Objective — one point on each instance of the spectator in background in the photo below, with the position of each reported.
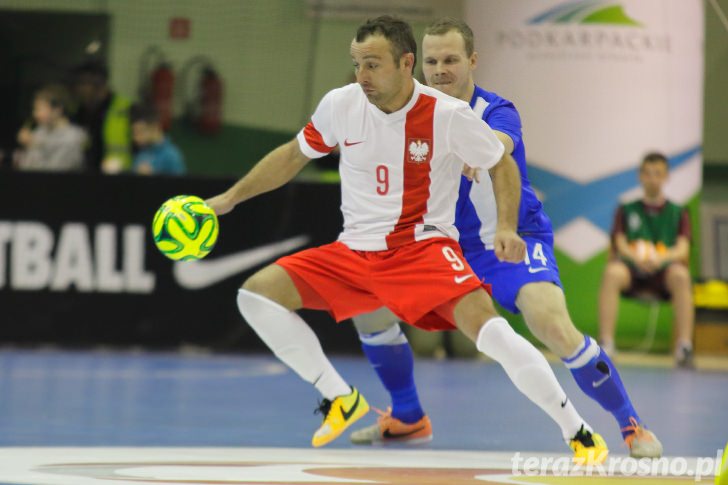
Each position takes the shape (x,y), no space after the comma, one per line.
(105,116)
(54,144)
(650,254)
(157,154)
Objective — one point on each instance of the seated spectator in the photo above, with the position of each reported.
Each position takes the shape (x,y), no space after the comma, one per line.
(54,144)
(104,115)
(157,154)
(649,256)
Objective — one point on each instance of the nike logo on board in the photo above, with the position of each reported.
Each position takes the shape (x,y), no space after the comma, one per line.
(195,275)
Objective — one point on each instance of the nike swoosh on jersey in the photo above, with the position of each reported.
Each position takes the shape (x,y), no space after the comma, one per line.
(536,270)
(460,279)
(348,143)
(195,275)
(600,381)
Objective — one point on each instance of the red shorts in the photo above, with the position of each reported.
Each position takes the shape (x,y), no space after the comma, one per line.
(419,282)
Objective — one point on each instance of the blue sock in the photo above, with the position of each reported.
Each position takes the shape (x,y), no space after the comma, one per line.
(391,356)
(598,378)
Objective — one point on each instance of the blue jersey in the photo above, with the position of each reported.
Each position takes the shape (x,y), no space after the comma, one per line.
(475,215)
(163,157)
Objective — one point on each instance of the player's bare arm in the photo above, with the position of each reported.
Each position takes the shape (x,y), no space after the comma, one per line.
(622,246)
(506,140)
(679,253)
(274,170)
(625,252)
(507,190)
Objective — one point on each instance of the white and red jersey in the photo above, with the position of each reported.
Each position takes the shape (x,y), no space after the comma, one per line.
(400,171)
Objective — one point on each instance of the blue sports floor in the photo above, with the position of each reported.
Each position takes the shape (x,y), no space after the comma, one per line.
(144,405)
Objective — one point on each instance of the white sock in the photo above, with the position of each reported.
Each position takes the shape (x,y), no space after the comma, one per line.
(685,344)
(530,372)
(392,336)
(682,347)
(292,341)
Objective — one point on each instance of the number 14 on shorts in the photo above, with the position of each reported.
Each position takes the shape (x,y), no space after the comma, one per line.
(536,255)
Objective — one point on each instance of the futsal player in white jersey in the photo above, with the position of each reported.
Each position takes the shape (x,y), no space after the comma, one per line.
(532,287)
(400,171)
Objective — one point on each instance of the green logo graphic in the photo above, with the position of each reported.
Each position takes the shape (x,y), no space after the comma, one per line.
(586,12)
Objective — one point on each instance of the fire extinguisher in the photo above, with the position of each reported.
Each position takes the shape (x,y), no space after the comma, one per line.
(202,90)
(162,93)
(157,86)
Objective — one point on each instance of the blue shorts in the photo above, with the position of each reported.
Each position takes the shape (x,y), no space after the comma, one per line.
(508,278)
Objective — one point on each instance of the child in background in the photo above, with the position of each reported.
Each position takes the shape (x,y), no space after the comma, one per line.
(157,154)
(55,144)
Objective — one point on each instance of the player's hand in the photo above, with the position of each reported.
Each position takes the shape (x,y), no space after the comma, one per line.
(221,204)
(630,257)
(25,136)
(144,168)
(644,266)
(662,261)
(509,246)
(653,265)
(471,173)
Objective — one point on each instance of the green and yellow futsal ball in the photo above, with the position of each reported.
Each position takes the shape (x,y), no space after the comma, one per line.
(185,228)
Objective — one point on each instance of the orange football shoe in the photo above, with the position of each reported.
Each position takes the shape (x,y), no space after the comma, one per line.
(389,429)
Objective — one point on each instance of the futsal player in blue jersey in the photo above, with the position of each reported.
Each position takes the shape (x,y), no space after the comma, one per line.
(532,287)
